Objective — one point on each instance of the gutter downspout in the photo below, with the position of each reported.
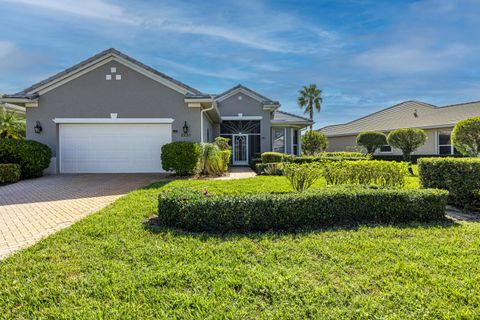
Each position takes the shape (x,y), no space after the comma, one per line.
(214,103)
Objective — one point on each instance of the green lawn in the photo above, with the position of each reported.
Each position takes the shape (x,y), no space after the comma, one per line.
(111,265)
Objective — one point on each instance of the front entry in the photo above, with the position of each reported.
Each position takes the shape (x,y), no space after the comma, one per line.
(240,149)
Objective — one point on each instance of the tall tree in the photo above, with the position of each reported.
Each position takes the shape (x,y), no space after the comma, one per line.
(311,99)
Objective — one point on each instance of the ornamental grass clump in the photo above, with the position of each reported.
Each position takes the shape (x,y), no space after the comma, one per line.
(302,176)
(213,160)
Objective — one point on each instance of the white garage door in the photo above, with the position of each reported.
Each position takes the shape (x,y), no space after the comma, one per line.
(110,148)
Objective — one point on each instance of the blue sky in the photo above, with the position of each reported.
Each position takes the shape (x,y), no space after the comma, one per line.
(365,55)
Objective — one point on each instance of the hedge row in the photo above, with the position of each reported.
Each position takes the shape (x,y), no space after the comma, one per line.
(9,173)
(366,172)
(460,176)
(191,210)
(269,169)
(32,156)
(415,157)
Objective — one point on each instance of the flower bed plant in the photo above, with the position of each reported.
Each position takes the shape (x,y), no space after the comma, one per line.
(194,210)
(9,173)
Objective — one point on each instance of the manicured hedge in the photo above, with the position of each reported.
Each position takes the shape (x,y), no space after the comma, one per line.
(182,157)
(415,157)
(460,176)
(308,159)
(270,157)
(192,210)
(32,156)
(365,172)
(254,162)
(9,173)
(344,154)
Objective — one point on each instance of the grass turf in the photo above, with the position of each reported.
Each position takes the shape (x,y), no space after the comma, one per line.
(111,265)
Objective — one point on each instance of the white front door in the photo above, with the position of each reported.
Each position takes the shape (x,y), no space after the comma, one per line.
(240,149)
(112,148)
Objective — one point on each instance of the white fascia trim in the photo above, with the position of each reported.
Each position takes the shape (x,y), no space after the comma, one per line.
(101,61)
(242,118)
(240,90)
(204,100)
(117,120)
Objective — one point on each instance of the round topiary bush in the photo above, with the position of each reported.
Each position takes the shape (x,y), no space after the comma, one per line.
(466,137)
(32,156)
(182,157)
(408,140)
(371,140)
(314,142)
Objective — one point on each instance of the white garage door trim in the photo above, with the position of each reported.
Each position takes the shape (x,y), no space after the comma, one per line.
(127,146)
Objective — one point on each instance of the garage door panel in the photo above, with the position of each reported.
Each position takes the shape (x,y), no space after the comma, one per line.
(103,148)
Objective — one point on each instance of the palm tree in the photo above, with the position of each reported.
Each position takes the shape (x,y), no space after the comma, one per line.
(11,125)
(310,98)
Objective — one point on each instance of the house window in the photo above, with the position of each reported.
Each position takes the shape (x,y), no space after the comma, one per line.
(295,142)
(279,140)
(385,149)
(444,143)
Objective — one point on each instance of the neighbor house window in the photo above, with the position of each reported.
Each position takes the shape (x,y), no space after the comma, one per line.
(385,149)
(444,143)
(279,140)
(295,142)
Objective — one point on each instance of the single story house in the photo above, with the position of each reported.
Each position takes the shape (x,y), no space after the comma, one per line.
(438,123)
(112,113)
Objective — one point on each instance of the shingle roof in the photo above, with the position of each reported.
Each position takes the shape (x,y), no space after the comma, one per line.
(289,117)
(110,51)
(413,114)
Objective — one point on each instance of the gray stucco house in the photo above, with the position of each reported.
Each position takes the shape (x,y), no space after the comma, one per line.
(112,113)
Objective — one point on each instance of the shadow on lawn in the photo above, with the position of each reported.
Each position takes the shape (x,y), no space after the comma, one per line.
(153,226)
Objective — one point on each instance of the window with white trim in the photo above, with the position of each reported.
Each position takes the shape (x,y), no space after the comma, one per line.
(295,142)
(385,149)
(279,140)
(444,143)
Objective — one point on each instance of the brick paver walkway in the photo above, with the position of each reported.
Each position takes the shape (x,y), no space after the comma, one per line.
(33,209)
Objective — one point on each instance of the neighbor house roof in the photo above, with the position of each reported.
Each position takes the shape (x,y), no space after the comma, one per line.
(409,114)
(289,118)
(26,93)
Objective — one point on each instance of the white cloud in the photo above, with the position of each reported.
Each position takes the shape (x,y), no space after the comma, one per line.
(410,58)
(95,9)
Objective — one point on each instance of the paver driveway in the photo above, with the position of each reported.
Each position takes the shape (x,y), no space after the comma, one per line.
(32,209)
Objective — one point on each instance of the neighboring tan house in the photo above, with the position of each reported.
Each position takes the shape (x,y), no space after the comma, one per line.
(111,113)
(438,123)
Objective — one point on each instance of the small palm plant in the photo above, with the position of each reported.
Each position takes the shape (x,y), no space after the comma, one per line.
(311,99)
(12,126)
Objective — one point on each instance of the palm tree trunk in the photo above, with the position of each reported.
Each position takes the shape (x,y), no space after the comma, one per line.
(310,104)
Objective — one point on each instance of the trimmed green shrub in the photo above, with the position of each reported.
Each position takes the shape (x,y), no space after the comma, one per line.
(301,176)
(223,143)
(324,159)
(343,154)
(182,157)
(466,136)
(414,157)
(9,172)
(408,140)
(270,157)
(254,162)
(371,140)
(270,169)
(460,176)
(366,172)
(32,156)
(314,142)
(194,210)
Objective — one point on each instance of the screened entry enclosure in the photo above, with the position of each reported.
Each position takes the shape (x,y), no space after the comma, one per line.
(244,138)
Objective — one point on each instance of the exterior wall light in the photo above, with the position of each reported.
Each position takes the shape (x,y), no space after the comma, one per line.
(38,127)
(185,128)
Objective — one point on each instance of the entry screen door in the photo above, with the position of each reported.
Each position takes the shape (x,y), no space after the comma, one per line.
(240,149)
